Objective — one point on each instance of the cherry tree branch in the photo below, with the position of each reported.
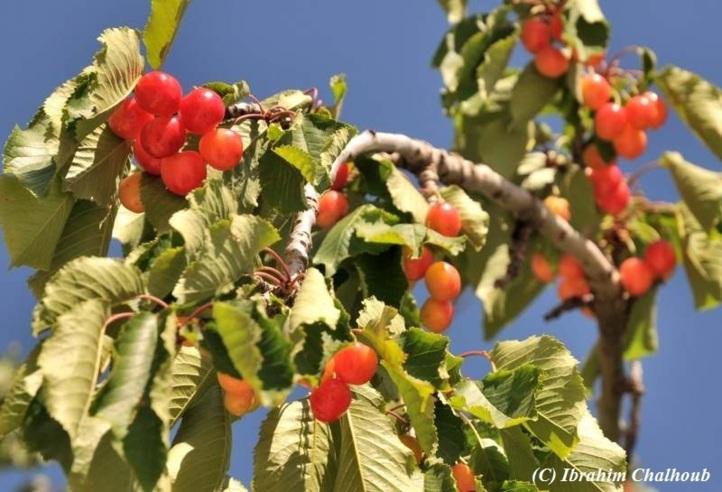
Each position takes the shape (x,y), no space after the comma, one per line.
(301,241)
(636,390)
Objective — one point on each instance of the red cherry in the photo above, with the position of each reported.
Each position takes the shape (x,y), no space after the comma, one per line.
(330,400)
(636,276)
(129,119)
(159,93)
(659,115)
(535,34)
(558,206)
(541,268)
(332,206)
(640,111)
(129,193)
(238,404)
(606,179)
(595,59)
(437,315)
(163,136)
(550,62)
(571,287)
(593,159)
(610,120)
(329,372)
(231,384)
(202,110)
(147,162)
(443,281)
(556,25)
(569,267)
(356,364)
(183,172)
(631,143)
(444,218)
(596,91)
(221,148)
(661,259)
(616,200)
(464,477)
(341,177)
(415,268)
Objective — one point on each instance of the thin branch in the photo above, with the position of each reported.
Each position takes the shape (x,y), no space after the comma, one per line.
(397,417)
(636,390)
(154,299)
(479,353)
(570,304)
(301,241)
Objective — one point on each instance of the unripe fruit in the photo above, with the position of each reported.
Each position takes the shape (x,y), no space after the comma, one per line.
(330,400)
(147,162)
(415,268)
(593,159)
(550,62)
(341,177)
(332,206)
(609,121)
(569,267)
(661,259)
(163,136)
(183,172)
(129,193)
(640,111)
(596,91)
(631,143)
(464,477)
(571,287)
(535,34)
(239,397)
(202,110)
(443,281)
(159,93)
(437,315)
(221,148)
(129,119)
(636,276)
(558,206)
(411,443)
(616,200)
(444,218)
(658,116)
(541,268)
(356,364)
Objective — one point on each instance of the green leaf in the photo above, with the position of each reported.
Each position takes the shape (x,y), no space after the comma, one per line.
(531,93)
(452,440)
(146,449)
(641,329)
(314,303)
(28,155)
(495,142)
(578,190)
(299,159)
(426,355)
(240,334)
(190,372)
(160,204)
(406,196)
(701,189)
(469,397)
(438,478)
(20,393)
(702,261)
(161,28)
(382,276)
(474,220)
(413,236)
(165,271)
(277,173)
(697,102)
(230,93)
(294,451)
(338,89)
(518,448)
(455,9)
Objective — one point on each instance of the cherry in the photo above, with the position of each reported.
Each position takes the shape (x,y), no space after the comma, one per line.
(183,172)
(129,193)
(610,120)
(444,218)
(535,34)
(163,136)
(356,364)
(464,477)
(415,268)
(129,119)
(556,26)
(332,206)
(606,179)
(329,372)
(631,143)
(147,162)
(571,287)
(550,62)
(159,93)
(443,281)
(238,404)
(330,400)
(437,315)
(596,91)
(411,443)
(541,268)
(661,259)
(636,276)
(659,115)
(558,206)
(593,159)
(640,111)
(616,200)
(341,177)
(202,110)
(595,59)
(221,148)
(569,267)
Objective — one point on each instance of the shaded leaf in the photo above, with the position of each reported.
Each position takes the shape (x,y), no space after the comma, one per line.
(161,28)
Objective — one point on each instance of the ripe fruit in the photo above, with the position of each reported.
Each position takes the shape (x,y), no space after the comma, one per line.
(535,34)
(163,136)
(570,287)
(593,159)
(541,268)
(356,364)
(594,59)
(202,110)
(238,404)
(232,384)
(556,25)
(659,115)
(558,206)
(341,177)
(616,200)
(444,218)
(415,268)
(443,281)
(437,315)
(330,400)
(332,206)
(640,111)
(221,148)
(569,267)
(183,172)
(606,179)
(129,119)
(631,143)
(329,372)
(610,120)
(596,91)
(411,443)
(129,193)
(661,259)
(464,477)
(550,62)
(636,276)
(159,93)
(147,162)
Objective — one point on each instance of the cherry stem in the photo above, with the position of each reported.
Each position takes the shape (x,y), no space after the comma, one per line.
(627,49)
(197,312)
(644,169)
(478,353)
(268,278)
(281,262)
(397,417)
(272,271)
(397,407)
(152,298)
(117,317)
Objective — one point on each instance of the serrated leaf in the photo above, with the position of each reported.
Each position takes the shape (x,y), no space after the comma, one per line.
(161,28)
(190,371)
(531,93)
(277,173)
(240,334)
(495,142)
(160,204)
(299,159)
(22,389)
(230,93)
(469,397)
(382,276)
(452,440)
(474,220)
(165,271)
(438,478)
(128,228)
(413,236)
(702,261)
(642,339)
(28,155)
(700,188)
(426,355)
(314,303)
(518,449)
(406,196)
(578,190)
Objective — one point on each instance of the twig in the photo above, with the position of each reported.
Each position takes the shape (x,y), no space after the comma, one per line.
(569,305)
(636,390)
(520,237)
(397,417)
(480,353)
(301,241)
(152,298)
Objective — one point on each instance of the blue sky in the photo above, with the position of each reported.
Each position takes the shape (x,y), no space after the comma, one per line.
(384,47)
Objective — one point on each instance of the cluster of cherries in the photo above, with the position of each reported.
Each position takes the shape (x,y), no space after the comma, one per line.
(443,280)
(239,398)
(539,35)
(333,204)
(157,120)
(611,191)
